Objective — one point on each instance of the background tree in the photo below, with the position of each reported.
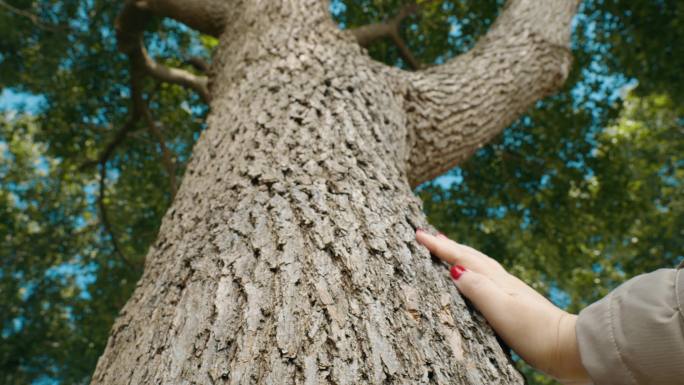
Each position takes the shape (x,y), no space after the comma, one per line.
(63,278)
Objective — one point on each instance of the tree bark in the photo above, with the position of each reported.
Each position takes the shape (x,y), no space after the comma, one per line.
(456,108)
(289,255)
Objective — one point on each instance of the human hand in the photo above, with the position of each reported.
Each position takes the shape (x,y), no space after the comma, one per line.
(538,331)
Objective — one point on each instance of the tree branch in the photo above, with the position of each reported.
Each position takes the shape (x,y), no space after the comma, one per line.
(405,51)
(206,16)
(34,18)
(102,160)
(199,63)
(167,157)
(135,114)
(173,75)
(367,34)
(129,27)
(105,219)
(455,108)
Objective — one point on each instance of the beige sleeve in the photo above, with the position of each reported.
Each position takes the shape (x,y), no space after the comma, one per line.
(635,335)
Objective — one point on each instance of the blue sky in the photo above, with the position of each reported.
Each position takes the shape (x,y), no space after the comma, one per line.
(11,100)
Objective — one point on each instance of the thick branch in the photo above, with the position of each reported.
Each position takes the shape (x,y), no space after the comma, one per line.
(206,16)
(455,108)
(367,34)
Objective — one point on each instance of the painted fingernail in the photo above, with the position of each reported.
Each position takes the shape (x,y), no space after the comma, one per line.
(456,271)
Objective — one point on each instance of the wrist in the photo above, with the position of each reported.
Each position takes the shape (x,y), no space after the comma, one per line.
(570,370)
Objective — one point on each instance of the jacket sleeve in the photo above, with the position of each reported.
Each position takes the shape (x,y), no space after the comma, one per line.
(635,335)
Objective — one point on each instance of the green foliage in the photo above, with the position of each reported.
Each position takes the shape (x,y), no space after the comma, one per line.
(46,228)
(61,280)
(582,193)
(646,33)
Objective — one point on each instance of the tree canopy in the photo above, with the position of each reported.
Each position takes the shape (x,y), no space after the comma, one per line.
(580,194)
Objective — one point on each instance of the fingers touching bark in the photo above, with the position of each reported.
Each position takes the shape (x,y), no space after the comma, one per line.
(541,333)
(455,108)
(455,253)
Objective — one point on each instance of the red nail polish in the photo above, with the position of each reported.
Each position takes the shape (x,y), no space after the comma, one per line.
(456,271)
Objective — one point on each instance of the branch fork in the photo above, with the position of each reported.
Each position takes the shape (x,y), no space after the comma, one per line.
(367,34)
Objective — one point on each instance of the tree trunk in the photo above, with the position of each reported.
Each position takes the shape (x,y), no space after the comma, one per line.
(289,253)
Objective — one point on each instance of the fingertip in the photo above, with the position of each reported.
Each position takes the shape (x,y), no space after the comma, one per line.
(422,236)
(456,271)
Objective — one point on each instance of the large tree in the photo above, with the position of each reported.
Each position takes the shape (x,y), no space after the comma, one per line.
(288,252)
(568,200)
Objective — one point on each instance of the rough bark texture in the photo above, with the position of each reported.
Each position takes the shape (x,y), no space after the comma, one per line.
(456,108)
(289,254)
